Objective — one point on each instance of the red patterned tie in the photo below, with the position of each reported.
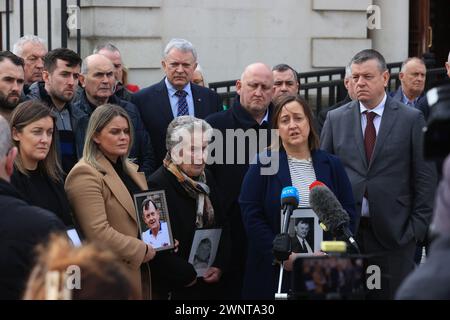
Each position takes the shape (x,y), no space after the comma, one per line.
(370,135)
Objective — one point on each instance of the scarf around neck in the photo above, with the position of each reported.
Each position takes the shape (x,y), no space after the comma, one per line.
(197,190)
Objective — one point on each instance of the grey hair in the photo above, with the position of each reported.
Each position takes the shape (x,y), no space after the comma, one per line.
(404,63)
(184,125)
(85,63)
(5,137)
(182,45)
(18,46)
(348,71)
(370,54)
(105,46)
(99,119)
(84,66)
(282,67)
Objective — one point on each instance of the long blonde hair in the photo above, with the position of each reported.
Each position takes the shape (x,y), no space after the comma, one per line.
(99,119)
(25,114)
(102,275)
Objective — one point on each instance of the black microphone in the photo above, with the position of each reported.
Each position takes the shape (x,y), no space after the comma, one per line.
(282,242)
(330,212)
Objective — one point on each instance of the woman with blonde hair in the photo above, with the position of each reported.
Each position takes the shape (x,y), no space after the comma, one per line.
(38,175)
(100,189)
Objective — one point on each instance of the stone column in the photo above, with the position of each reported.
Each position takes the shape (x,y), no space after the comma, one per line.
(392,39)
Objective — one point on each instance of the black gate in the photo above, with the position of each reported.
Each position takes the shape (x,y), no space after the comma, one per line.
(6,34)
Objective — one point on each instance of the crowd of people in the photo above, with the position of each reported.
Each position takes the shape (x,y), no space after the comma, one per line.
(77,142)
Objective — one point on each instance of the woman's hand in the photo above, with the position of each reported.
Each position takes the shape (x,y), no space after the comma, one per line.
(150,253)
(212,275)
(175,249)
(289,263)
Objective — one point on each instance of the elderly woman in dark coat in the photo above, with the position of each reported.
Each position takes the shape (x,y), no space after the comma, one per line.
(193,204)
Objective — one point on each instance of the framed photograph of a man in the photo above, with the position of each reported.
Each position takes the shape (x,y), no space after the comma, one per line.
(204,249)
(153,218)
(305,231)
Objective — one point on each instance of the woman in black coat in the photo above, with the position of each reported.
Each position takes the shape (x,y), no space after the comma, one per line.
(37,173)
(193,204)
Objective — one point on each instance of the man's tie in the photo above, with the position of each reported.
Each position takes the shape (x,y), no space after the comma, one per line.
(370,135)
(304,246)
(182,103)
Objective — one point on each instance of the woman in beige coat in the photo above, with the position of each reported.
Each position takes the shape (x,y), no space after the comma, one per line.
(100,189)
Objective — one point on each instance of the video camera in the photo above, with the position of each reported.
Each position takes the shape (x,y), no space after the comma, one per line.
(331,277)
(437,131)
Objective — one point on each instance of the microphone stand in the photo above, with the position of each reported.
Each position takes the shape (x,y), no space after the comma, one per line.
(279,295)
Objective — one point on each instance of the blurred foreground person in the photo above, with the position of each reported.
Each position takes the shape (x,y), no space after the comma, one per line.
(100,274)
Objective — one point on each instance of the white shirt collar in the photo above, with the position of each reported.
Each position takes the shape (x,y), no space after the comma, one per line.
(379,109)
(172,90)
(266,117)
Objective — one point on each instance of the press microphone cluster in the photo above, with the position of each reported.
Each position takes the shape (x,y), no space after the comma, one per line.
(332,216)
(282,242)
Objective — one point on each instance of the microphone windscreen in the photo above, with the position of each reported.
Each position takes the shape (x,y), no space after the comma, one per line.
(316,184)
(289,196)
(327,207)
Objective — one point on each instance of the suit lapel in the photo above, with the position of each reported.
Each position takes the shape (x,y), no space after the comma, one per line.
(164,102)
(357,130)
(115,184)
(387,121)
(283,173)
(198,102)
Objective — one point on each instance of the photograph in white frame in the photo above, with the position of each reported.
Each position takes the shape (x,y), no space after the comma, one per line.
(305,231)
(204,249)
(145,204)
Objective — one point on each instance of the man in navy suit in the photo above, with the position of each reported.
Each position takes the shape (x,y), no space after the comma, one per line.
(412,77)
(175,95)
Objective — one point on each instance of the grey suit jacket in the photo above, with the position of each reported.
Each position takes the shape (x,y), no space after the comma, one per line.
(400,184)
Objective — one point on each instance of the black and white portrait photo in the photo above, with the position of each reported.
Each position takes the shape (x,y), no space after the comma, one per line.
(303,239)
(204,249)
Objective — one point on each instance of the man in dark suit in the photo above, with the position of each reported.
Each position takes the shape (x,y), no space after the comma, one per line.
(175,95)
(411,92)
(249,115)
(350,97)
(301,242)
(380,142)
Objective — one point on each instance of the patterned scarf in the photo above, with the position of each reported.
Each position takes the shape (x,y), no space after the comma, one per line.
(197,190)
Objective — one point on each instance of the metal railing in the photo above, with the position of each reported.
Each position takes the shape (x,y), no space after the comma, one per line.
(38,14)
(320,88)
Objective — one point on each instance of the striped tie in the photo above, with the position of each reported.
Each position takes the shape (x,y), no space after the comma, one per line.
(182,103)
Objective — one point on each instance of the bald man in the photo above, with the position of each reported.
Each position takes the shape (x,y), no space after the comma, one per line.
(251,113)
(97,79)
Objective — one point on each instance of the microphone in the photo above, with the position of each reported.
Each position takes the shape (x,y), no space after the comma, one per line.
(330,212)
(289,202)
(282,242)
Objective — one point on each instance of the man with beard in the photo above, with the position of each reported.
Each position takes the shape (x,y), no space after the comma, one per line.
(11,82)
(60,75)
